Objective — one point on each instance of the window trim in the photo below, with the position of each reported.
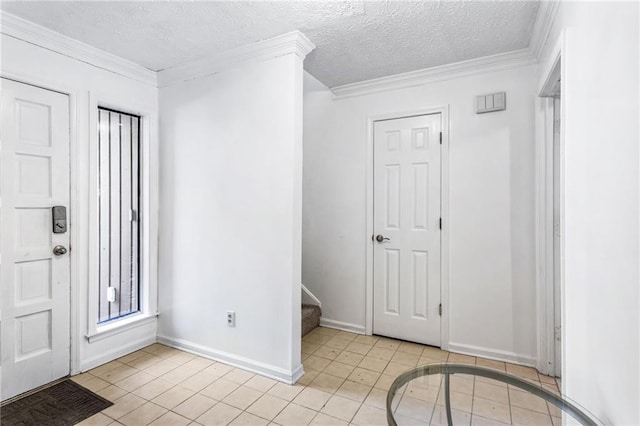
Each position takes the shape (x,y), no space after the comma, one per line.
(148,217)
(117,326)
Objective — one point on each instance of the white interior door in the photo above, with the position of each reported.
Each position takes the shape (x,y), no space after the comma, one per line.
(406,272)
(34,177)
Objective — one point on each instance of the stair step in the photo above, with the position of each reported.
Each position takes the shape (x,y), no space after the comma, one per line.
(310,317)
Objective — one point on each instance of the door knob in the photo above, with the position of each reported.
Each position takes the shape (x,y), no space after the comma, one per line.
(59,250)
(380,238)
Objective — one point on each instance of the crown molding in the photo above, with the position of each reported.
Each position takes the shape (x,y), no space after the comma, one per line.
(500,61)
(542,26)
(29,32)
(293,42)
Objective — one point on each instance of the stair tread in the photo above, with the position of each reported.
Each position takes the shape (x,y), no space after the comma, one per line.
(310,317)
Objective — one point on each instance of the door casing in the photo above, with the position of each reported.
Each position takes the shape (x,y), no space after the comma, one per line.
(444,209)
(546,260)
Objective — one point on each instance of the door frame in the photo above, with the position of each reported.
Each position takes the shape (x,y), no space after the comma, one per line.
(80,131)
(75,200)
(443,110)
(544,196)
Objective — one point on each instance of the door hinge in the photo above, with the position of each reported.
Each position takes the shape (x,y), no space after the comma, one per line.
(440,138)
(440,309)
(440,223)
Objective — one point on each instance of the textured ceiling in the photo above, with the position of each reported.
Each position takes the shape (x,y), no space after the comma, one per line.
(355,40)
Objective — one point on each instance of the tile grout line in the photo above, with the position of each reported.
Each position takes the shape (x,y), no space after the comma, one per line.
(509,402)
(473,397)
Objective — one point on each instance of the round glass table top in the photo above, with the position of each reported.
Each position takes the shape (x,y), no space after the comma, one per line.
(451,394)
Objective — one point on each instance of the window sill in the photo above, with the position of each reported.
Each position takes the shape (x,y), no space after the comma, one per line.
(117,327)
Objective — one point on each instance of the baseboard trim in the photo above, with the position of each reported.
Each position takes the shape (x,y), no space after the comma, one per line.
(344,326)
(495,354)
(273,372)
(117,353)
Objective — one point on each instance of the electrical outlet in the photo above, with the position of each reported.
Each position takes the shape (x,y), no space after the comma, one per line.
(231,318)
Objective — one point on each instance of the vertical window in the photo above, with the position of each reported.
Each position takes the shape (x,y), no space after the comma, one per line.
(118,211)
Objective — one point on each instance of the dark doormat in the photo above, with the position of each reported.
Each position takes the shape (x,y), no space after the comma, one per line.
(66,403)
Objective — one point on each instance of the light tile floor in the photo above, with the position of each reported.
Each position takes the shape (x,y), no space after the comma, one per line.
(346,382)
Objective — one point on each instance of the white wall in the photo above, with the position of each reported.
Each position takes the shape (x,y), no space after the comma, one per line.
(491,222)
(230,216)
(601,323)
(32,64)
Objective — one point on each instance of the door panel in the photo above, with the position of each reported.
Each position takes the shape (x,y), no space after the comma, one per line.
(420,284)
(407,212)
(34,177)
(392,281)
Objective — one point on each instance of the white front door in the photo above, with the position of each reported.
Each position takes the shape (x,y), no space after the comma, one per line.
(34,177)
(406,272)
